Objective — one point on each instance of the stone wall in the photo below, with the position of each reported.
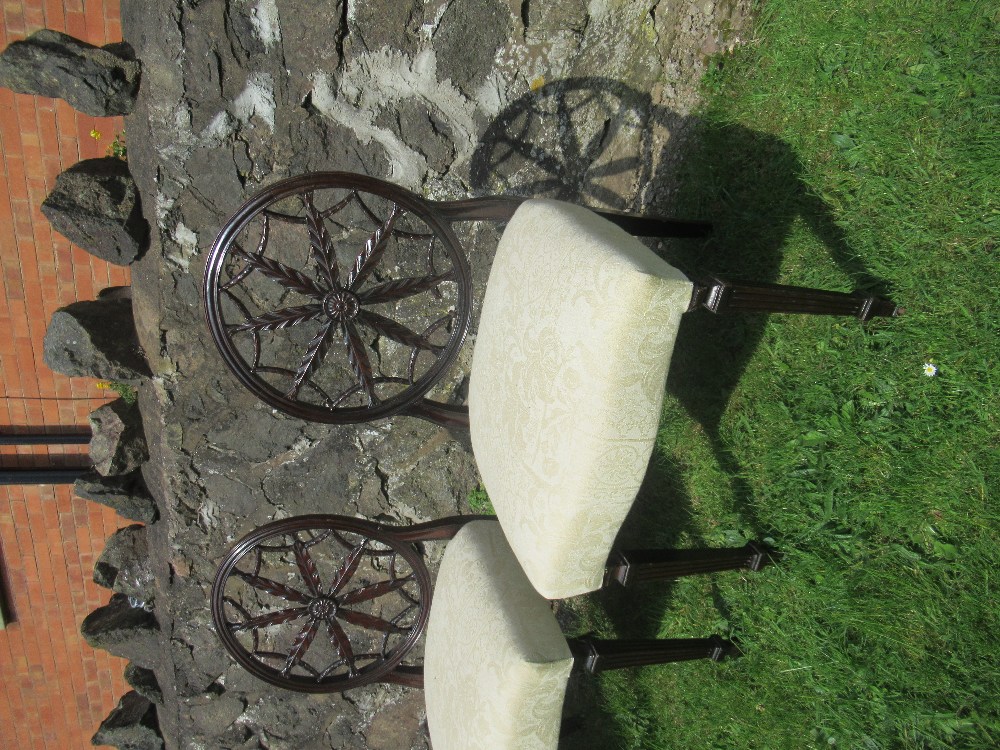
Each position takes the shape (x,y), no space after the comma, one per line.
(565,98)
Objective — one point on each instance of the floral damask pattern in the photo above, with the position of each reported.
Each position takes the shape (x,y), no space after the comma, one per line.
(564,413)
(495,663)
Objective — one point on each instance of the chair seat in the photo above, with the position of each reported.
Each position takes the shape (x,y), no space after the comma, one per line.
(495,663)
(578,325)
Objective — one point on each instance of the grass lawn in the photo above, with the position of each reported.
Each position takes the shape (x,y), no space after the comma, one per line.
(852,144)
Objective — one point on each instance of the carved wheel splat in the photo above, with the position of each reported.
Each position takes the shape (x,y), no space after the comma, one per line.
(338,298)
(321,604)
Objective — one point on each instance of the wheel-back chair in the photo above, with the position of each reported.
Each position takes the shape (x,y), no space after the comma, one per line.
(328,603)
(341,298)
(574,340)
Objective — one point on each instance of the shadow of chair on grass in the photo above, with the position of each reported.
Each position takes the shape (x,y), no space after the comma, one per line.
(596,141)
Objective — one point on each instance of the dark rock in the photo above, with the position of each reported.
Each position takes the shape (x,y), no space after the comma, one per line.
(118,445)
(95,339)
(398,725)
(468,38)
(217,712)
(104,575)
(122,49)
(556,15)
(95,205)
(126,494)
(420,130)
(297,719)
(115,293)
(333,146)
(132,725)
(314,41)
(124,630)
(244,42)
(388,23)
(124,565)
(99,81)
(144,682)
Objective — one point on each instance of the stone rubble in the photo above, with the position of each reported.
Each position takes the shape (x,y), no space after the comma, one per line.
(124,566)
(131,725)
(126,631)
(95,205)
(143,681)
(126,495)
(118,443)
(100,81)
(96,339)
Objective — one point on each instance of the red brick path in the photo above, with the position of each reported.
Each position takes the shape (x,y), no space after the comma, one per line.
(55,689)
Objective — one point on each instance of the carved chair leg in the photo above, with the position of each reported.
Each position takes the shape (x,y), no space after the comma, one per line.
(599,655)
(629,567)
(720,296)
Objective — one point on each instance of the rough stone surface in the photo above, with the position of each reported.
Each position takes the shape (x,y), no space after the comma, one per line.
(582,99)
(118,444)
(399,724)
(100,81)
(124,630)
(131,725)
(126,494)
(95,205)
(124,565)
(468,37)
(95,339)
(144,682)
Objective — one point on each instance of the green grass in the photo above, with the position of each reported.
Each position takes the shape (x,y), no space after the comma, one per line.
(853,144)
(126,392)
(479,501)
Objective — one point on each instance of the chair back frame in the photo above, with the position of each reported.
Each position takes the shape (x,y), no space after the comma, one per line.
(341,299)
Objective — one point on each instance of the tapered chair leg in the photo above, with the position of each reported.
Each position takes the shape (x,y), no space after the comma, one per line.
(599,655)
(629,567)
(720,296)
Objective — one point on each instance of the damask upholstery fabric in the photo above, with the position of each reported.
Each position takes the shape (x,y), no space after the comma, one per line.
(495,662)
(578,325)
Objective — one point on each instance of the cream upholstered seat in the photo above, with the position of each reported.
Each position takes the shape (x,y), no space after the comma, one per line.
(578,325)
(495,663)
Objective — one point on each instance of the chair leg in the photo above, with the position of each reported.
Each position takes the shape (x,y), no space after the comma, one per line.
(629,567)
(405,675)
(720,296)
(599,655)
(651,226)
(502,208)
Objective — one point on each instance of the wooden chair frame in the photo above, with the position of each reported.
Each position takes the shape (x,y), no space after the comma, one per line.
(331,608)
(340,295)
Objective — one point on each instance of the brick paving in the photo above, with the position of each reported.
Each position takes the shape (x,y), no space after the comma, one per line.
(55,688)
